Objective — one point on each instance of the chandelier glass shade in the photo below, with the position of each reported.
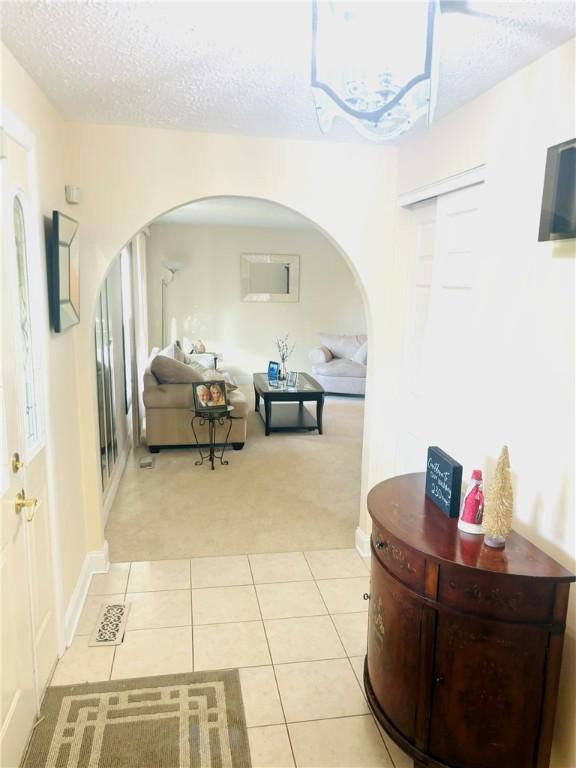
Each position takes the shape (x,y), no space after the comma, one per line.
(373,64)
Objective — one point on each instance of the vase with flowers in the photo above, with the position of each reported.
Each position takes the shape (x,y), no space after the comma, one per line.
(284,352)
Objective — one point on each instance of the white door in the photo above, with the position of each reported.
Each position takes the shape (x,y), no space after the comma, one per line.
(28,623)
(444,242)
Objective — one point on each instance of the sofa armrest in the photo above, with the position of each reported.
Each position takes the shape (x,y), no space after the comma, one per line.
(320,355)
(169,396)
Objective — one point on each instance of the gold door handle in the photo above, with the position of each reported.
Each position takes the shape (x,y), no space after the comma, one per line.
(28,504)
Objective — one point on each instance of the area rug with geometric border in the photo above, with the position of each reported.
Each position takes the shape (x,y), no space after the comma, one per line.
(171,721)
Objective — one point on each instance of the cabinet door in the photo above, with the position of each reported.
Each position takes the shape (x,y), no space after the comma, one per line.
(393,659)
(487,693)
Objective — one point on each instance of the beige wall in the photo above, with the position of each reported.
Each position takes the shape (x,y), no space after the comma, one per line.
(520,386)
(204,300)
(130,176)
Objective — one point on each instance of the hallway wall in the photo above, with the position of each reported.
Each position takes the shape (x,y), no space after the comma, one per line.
(518,387)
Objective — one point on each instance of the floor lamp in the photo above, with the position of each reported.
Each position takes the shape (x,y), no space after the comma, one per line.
(171,268)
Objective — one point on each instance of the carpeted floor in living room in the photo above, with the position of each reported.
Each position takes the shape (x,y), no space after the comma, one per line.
(281,493)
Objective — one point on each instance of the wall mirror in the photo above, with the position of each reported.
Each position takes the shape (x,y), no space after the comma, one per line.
(270,276)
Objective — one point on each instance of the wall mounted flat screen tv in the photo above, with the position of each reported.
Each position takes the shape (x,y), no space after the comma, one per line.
(558,217)
(64,272)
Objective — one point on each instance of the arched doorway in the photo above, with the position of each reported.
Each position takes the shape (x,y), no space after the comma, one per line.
(307,492)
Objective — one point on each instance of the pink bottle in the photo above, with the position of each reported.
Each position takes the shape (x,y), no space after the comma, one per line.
(470,519)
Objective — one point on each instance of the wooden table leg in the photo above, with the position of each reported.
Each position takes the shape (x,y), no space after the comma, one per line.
(256,399)
(319,411)
(268,409)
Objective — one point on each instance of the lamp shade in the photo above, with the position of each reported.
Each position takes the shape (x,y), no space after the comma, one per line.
(374,64)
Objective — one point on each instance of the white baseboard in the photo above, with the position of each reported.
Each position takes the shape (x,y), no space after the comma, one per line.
(112,489)
(363,542)
(94,562)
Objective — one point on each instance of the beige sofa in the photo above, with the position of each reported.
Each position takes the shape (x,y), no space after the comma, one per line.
(169,404)
(339,363)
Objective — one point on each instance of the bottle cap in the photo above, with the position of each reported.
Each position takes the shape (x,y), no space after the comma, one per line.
(477,474)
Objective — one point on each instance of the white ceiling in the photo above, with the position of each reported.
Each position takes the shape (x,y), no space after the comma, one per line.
(236,212)
(243,67)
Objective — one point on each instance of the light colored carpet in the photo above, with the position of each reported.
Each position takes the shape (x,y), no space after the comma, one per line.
(286,492)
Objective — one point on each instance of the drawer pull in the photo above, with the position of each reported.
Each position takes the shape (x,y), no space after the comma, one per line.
(366,596)
(439,680)
(396,554)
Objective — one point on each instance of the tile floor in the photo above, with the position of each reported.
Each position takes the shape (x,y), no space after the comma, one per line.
(293,623)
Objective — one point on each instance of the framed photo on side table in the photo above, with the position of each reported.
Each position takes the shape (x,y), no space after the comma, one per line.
(210,396)
(273,370)
(292,379)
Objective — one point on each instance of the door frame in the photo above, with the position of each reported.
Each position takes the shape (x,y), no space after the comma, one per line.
(16,130)
(461,180)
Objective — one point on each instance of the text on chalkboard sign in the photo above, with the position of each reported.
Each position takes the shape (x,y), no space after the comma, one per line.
(443,481)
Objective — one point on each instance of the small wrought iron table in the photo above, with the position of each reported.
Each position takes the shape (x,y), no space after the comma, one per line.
(212,418)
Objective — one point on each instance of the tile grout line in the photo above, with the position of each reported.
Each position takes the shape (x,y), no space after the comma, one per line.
(126,627)
(273,669)
(191,612)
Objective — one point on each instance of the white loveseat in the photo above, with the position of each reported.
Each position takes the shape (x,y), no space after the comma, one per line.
(339,363)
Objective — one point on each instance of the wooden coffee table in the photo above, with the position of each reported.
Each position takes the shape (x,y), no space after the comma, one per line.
(289,414)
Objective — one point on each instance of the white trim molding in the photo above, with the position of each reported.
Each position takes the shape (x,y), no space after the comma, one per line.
(363,542)
(459,181)
(114,483)
(94,562)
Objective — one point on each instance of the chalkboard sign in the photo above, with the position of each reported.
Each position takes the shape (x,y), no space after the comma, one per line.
(443,481)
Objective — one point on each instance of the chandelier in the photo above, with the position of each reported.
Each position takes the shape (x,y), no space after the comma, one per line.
(373,64)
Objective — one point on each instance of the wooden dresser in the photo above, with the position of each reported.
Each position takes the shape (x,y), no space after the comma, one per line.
(464,642)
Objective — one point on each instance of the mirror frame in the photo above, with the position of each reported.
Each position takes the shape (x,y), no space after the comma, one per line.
(291,260)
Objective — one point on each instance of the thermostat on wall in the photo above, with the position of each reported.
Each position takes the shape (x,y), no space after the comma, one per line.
(72,194)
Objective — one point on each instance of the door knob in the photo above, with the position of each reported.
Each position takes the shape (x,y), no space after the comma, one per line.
(29,505)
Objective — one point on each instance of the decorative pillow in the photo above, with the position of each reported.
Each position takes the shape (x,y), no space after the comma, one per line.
(173,351)
(169,371)
(211,375)
(361,355)
(342,345)
(206,360)
(320,355)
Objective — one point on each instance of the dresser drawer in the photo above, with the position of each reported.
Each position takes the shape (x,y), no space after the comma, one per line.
(510,598)
(401,561)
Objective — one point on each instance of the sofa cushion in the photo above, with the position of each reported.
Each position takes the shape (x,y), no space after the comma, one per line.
(173,351)
(169,371)
(342,345)
(340,367)
(361,354)
(169,396)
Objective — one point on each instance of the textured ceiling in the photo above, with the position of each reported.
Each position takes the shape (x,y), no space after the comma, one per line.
(242,67)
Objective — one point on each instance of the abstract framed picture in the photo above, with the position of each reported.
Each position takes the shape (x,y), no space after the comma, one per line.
(64,273)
